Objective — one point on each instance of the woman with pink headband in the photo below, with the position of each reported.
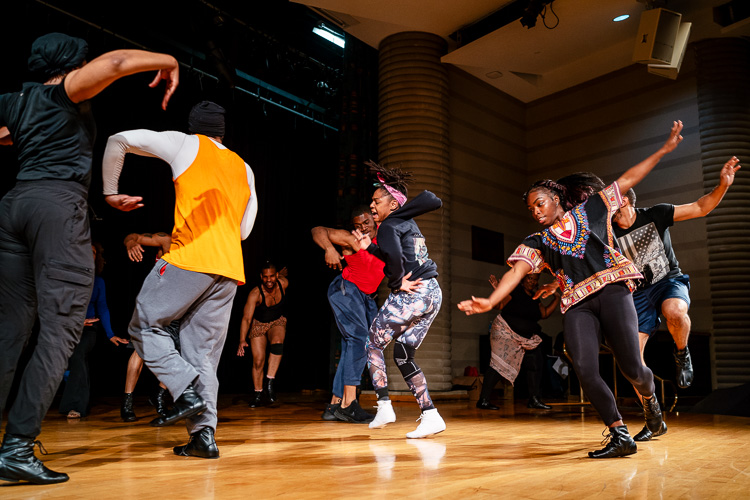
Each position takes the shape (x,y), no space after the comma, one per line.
(415,296)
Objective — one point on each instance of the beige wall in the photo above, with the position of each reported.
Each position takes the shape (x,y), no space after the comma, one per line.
(499,146)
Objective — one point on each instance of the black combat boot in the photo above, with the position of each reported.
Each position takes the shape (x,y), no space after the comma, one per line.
(18,463)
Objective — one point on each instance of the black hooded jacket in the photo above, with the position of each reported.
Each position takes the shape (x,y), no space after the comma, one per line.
(401,244)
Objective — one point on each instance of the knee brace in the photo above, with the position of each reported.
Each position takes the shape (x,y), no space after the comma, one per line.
(277,349)
(403,355)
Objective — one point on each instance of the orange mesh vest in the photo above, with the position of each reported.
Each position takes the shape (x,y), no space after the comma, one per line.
(210,200)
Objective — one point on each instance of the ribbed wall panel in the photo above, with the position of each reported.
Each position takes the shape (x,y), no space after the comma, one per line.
(413,135)
(723,80)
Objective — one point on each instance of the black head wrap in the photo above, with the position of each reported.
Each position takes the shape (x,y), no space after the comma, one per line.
(56,53)
(207,118)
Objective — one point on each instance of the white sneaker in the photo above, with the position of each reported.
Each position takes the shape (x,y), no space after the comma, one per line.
(385,415)
(431,423)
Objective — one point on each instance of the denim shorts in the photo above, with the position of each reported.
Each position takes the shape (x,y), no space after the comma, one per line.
(648,302)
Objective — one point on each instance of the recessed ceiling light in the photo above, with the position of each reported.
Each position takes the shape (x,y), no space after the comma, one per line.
(621,18)
(494,74)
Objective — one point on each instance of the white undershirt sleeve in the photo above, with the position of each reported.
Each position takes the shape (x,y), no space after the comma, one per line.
(251,210)
(176,148)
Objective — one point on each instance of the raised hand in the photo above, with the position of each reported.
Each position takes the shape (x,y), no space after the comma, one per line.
(674,137)
(363,239)
(172,77)
(493,281)
(726,176)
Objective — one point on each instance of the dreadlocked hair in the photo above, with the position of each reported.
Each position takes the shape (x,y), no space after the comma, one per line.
(393,177)
(572,189)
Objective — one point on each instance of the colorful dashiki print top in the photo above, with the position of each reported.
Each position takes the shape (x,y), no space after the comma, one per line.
(580,249)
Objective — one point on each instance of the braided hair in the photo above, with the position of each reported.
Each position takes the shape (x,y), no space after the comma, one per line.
(393,177)
(572,189)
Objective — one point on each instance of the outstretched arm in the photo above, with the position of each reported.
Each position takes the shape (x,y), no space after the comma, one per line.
(705,204)
(635,174)
(86,82)
(247,319)
(507,284)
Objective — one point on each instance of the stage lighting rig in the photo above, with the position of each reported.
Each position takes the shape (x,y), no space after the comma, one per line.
(532,11)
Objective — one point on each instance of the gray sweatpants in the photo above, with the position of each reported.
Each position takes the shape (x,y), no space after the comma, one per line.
(203,302)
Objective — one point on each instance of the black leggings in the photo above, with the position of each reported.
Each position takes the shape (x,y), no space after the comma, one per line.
(611,313)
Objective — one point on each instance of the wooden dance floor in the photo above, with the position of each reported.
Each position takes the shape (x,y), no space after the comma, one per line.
(288,452)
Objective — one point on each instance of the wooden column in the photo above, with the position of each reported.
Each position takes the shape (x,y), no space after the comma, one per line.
(413,135)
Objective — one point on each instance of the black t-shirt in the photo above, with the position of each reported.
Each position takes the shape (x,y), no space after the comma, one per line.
(54,136)
(648,245)
(522,313)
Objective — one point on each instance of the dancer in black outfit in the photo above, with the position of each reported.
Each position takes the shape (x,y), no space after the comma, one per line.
(46,265)
(578,247)
(522,313)
(265,312)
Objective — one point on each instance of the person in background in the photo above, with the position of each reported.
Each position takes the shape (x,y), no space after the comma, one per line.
(75,397)
(264,321)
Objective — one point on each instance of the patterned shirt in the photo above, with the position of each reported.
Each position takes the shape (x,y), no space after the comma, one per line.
(580,249)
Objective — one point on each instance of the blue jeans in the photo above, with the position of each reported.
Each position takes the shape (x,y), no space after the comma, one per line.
(354,312)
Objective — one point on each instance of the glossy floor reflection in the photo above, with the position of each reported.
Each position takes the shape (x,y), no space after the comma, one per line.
(287,451)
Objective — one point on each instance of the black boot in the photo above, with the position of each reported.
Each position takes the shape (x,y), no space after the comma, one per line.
(126,410)
(652,414)
(257,400)
(189,404)
(159,401)
(684,367)
(646,435)
(534,402)
(618,444)
(201,444)
(484,404)
(18,463)
(270,391)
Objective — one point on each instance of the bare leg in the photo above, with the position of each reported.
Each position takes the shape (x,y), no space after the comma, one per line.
(258,345)
(135,365)
(675,311)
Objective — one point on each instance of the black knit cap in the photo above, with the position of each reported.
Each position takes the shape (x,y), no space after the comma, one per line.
(56,53)
(207,118)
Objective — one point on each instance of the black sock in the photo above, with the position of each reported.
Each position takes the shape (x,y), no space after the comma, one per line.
(382,394)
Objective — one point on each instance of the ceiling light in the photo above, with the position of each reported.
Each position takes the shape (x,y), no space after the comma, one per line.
(330,35)
(621,18)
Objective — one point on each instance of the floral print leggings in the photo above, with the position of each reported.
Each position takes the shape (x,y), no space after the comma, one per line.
(405,317)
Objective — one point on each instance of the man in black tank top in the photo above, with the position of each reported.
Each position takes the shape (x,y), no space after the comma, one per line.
(264,311)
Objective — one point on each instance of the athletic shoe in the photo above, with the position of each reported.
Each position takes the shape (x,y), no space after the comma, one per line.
(684,368)
(328,413)
(431,423)
(385,415)
(354,414)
